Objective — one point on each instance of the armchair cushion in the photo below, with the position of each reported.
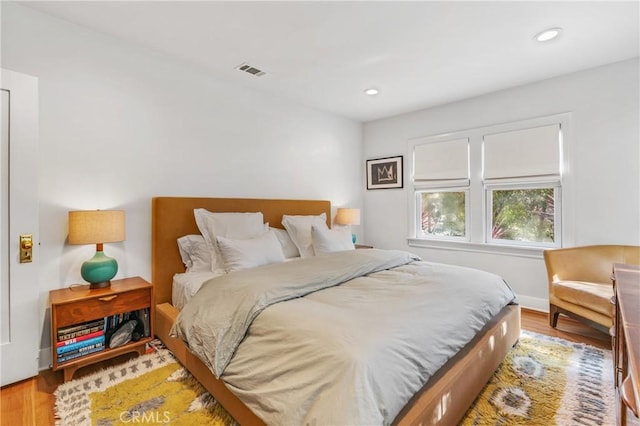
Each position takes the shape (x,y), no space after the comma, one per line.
(594,296)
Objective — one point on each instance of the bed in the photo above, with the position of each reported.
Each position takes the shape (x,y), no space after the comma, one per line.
(442,400)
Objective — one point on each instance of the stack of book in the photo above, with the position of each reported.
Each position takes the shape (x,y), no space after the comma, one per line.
(80,339)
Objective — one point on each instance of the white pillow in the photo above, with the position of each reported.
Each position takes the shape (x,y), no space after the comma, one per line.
(288,247)
(329,240)
(249,253)
(229,225)
(299,229)
(195,253)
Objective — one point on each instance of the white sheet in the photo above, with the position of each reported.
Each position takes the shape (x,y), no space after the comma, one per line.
(186,284)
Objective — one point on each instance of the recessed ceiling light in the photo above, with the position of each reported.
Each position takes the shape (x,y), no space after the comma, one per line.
(372,91)
(548,35)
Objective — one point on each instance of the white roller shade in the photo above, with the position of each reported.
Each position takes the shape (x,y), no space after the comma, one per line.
(441,161)
(523,153)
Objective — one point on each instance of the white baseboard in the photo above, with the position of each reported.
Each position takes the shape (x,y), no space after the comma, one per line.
(534,303)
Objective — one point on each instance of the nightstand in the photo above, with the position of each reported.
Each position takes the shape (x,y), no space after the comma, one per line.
(363,246)
(81,320)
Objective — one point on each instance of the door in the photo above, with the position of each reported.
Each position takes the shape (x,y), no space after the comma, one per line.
(19,313)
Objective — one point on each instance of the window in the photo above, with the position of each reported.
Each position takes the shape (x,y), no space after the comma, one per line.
(443,213)
(526,216)
(497,186)
(441,179)
(521,171)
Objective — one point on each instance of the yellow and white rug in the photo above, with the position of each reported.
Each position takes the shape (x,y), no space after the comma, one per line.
(150,389)
(543,381)
(548,381)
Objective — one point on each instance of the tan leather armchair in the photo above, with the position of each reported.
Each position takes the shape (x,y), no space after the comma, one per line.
(580,283)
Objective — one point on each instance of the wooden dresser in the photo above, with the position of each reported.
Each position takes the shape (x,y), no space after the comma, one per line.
(626,341)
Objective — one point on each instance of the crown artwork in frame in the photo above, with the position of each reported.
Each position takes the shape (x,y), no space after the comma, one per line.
(384,173)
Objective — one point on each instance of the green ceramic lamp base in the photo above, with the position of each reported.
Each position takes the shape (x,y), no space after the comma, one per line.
(99,270)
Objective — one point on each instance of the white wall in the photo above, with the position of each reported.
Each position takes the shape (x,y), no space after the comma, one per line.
(120,124)
(602,200)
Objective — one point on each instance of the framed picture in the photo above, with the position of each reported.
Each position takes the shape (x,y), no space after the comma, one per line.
(384,173)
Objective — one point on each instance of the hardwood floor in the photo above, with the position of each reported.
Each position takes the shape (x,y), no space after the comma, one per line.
(568,329)
(30,402)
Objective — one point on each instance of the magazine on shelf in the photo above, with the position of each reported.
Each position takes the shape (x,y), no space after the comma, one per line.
(68,357)
(83,350)
(79,333)
(81,326)
(80,338)
(73,346)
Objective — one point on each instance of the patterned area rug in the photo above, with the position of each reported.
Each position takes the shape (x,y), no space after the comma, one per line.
(150,389)
(543,381)
(548,381)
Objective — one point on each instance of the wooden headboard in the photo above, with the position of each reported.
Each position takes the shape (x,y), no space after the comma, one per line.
(172,217)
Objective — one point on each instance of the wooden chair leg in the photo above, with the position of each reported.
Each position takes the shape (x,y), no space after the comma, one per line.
(553,315)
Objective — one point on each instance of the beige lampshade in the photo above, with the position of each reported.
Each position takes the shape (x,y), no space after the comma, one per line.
(346,216)
(96,226)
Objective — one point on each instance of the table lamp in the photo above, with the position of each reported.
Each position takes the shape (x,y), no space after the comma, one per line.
(348,216)
(97,227)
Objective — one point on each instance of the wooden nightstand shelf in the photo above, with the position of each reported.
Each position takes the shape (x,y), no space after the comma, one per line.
(75,306)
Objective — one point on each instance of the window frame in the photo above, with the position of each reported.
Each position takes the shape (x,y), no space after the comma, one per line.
(476,202)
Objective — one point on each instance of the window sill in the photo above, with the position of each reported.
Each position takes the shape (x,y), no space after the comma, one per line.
(505,250)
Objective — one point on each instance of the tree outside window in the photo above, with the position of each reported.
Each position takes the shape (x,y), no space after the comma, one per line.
(443,214)
(523,215)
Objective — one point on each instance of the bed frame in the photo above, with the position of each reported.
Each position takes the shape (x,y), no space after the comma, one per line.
(442,401)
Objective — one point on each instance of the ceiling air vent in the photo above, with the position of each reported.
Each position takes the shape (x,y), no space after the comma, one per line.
(251,70)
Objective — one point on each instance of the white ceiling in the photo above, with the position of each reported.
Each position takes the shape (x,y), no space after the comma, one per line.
(324,54)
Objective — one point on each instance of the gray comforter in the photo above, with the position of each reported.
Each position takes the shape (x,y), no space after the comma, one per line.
(345,338)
